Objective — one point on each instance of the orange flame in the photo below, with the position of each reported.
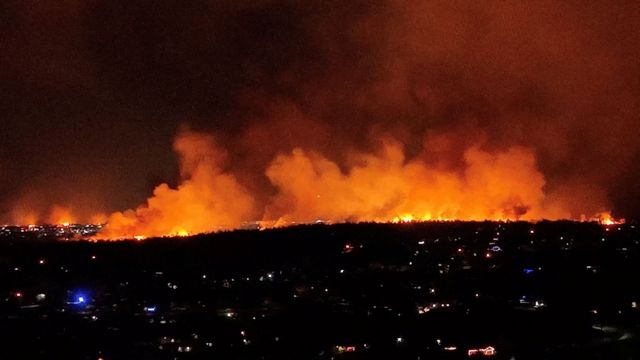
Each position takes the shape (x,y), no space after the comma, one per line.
(61,215)
(383,187)
(208,199)
(386,187)
(606,219)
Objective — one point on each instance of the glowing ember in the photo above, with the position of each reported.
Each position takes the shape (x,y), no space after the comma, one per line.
(182,233)
(607,219)
(488,351)
(403,219)
(61,215)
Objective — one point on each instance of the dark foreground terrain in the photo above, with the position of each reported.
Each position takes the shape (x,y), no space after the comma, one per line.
(552,290)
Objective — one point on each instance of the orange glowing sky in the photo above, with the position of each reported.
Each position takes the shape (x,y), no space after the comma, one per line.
(179,118)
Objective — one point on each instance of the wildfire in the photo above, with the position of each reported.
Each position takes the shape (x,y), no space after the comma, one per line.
(409,218)
(515,115)
(607,219)
(379,186)
(406,218)
(208,199)
(182,233)
(57,215)
(61,215)
(383,186)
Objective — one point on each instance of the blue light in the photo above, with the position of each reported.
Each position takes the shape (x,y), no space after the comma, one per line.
(150,309)
(529,271)
(79,299)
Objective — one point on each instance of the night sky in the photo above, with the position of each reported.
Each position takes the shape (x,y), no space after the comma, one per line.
(93,92)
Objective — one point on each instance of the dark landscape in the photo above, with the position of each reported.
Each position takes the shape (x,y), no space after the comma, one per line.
(432,290)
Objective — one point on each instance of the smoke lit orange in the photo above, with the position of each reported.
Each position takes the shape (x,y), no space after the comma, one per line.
(208,199)
(381,186)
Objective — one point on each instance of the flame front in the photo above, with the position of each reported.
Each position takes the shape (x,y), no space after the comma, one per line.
(605,218)
(384,187)
(208,199)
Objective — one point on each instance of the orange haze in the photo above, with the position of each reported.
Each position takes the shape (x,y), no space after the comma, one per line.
(57,214)
(332,110)
(380,186)
(61,215)
(207,199)
(386,187)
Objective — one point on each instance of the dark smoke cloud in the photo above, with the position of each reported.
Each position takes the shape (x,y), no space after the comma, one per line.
(92,92)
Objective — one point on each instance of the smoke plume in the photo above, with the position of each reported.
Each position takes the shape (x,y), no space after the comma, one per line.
(332,110)
(383,186)
(207,198)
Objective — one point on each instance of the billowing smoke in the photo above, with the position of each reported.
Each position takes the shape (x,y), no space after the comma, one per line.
(383,186)
(333,110)
(207,198)
(387,187)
